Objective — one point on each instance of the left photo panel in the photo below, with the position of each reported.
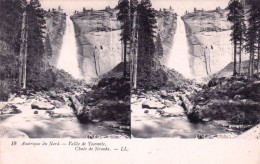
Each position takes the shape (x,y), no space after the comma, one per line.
(64,71)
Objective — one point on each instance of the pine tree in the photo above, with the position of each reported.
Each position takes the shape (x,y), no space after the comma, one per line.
(255,5)
(133,43)
(146,48)
(11,14)
(133,9)
(134,52)
(36,26)
(236,16)
(252,33)
(241,35)
(123,17)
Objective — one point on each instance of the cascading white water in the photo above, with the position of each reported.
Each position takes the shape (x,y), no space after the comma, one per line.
(68,54)
(179,54)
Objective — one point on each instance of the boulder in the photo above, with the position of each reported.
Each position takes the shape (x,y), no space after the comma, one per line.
(58,98)
(238,84)
(6,132)
(146,111)
(96,120)
(10,109)
(52,94)
(57,104)
(163,93)
(86,90)
(152,105)
(206,119)
(213,82)
(224,83)
(240,78)
(196,116)
(42,105)
(167,103)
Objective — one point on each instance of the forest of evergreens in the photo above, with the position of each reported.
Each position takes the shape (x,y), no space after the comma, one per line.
(144,45)
(26,48)
(245,34)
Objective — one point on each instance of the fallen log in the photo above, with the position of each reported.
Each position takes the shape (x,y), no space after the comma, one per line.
(186,104)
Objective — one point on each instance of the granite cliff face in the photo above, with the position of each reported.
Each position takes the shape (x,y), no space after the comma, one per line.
(56,25)
(208,33)
(98,39)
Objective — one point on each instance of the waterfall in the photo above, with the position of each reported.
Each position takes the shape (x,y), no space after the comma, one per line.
(68,55)
(179,54)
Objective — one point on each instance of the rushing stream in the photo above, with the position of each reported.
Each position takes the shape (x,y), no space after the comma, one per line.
(42,125)
(152,125)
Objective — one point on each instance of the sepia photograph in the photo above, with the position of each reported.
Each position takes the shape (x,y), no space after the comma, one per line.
(63,73)
(195,70)
(129,81)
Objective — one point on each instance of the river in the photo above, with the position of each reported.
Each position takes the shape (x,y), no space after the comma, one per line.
(42,125)
(153,125)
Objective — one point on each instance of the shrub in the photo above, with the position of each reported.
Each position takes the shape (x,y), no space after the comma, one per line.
(157,80)
(42,81)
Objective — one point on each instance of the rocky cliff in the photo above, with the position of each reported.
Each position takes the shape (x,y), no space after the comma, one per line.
(56,25)
(98,39)
(209,37)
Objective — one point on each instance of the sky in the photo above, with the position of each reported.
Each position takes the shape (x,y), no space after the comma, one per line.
(179,6)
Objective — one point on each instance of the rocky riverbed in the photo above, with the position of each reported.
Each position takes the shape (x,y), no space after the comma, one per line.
(50,115)
(175,114)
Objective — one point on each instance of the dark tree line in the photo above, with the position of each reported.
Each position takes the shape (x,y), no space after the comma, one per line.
(146,46)
(36,26)
(23,31)
(11,14)
(124,17)
(138,37)
(242,37)
(253,35)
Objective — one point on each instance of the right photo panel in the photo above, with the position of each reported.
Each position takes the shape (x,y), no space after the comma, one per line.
(194,68)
